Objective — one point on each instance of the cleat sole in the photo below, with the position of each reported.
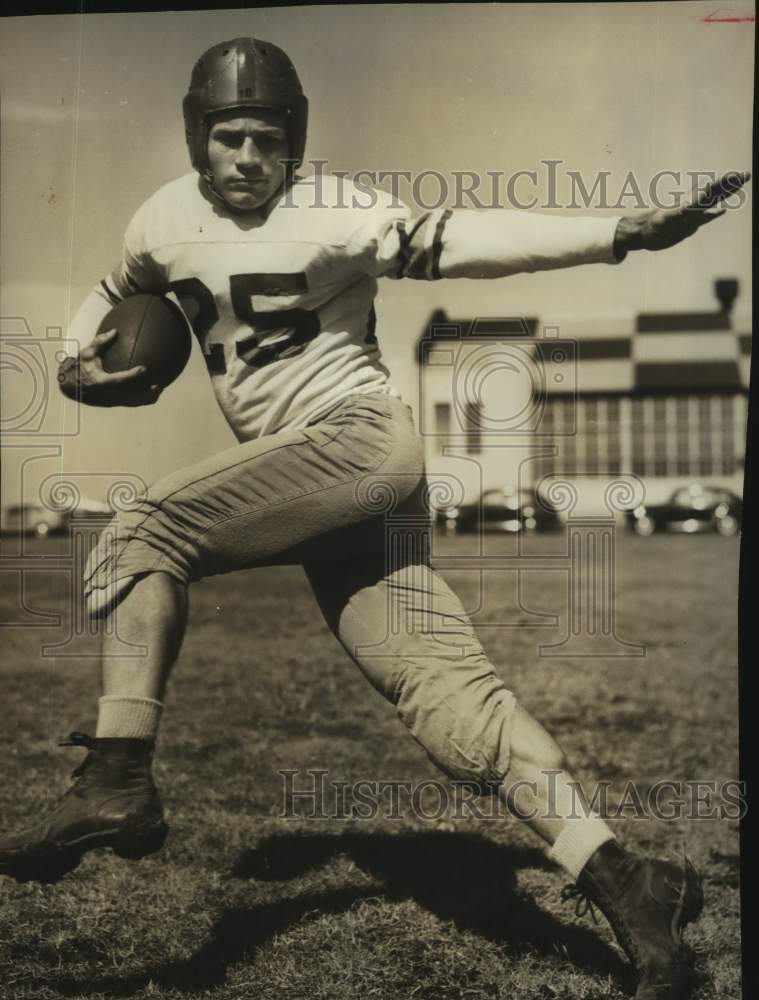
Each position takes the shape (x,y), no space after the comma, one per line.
(49,863)
(135,843)
(45,868)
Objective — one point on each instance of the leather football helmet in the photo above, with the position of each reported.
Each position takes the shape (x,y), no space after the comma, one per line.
(243,73)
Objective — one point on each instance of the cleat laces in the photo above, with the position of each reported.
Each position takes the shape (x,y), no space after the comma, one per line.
(583,904)
(80,740)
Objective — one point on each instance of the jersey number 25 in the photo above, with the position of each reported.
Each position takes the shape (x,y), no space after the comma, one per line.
(286,330)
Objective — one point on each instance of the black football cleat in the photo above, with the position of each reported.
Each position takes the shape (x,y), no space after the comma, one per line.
(113,803)
(648,904)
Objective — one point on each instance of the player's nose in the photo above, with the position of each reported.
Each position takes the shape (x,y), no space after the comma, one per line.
(249,155)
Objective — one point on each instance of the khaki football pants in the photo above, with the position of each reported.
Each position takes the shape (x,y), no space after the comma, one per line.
(344,497)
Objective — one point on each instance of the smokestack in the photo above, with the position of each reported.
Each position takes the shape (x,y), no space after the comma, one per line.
(726,290)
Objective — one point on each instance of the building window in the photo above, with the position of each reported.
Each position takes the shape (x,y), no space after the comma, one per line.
(546,464)
(613,438)
(704,460)
(473,417)
(727,435)
(442,424)
(557,418)
(638,435)
(549,410)
(590,432)
(586,433)
(682,437)
(660,435)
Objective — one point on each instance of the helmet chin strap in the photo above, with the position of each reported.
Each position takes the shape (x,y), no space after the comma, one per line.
(209,182)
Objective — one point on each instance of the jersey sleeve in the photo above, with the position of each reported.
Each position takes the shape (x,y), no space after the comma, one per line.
(137,271)
(492,243)
(88,317)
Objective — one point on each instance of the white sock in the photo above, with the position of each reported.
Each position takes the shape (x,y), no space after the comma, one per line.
(578,840)
(124,717)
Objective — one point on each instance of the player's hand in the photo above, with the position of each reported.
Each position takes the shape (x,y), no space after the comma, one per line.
(661,228)
(85,379)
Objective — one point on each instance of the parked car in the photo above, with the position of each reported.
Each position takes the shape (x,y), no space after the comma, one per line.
(93,510)
(501,510)
(31,519)
(690,509)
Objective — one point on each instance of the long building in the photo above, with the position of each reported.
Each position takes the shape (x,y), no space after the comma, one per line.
(506,402)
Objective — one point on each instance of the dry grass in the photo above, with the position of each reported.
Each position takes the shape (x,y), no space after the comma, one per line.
(244,904)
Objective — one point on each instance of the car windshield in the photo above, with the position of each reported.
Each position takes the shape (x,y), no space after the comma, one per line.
(500,498)
(699,497)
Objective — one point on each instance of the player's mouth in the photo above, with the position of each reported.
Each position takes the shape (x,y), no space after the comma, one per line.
(253,184)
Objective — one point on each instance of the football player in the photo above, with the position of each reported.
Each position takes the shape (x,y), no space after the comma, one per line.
(279,290)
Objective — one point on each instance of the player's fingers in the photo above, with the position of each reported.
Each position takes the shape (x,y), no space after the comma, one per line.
(117,378)
(716,191)
(98,344)
(101,340)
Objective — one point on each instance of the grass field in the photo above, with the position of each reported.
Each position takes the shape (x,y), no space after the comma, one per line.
(243,903)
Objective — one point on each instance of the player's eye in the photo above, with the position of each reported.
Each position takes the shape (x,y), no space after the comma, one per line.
(230,139)
(267,143)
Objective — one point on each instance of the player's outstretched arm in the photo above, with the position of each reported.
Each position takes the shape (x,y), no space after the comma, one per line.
(496,243)
(659,229)
(83,378)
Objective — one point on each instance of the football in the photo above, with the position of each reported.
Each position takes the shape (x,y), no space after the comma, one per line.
(152,331)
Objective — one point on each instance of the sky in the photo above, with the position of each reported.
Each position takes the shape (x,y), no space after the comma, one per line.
(91,125)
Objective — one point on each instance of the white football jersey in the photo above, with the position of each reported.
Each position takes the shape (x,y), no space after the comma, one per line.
(282,301)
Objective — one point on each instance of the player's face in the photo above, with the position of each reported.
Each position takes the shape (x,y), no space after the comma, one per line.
(244,155)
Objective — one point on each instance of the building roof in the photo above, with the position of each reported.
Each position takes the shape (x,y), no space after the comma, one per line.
(669,353)
(441,327)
